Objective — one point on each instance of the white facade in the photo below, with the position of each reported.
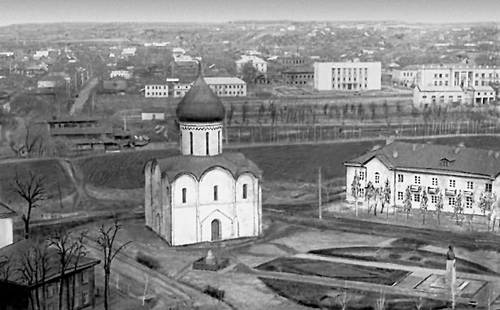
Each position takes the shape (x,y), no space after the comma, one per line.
(6,232)
(201,139)
(450,183)
(181,89)
(436,95)
(258,63)
(227,86)
(405,77)
(152,116)
(129,51)
(121,73)
(156,91)
(347,76)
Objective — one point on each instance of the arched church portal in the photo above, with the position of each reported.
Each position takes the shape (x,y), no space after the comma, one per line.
(216,230)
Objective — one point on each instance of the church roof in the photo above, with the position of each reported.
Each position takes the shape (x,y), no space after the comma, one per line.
(200,104)
(5,211)
(236,163)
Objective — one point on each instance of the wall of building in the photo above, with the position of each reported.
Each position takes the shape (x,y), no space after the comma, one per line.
(156,91)
(347,76)
(6,231)
(229,90)
(199,143)
(468,185)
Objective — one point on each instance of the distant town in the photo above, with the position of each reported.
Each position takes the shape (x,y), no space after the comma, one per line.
(249,165)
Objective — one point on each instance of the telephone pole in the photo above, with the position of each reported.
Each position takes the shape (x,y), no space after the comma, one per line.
(320,215)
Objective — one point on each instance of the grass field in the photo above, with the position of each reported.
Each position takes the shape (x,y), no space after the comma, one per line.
(292,163)
(326,297)
(56,179)
(341,271)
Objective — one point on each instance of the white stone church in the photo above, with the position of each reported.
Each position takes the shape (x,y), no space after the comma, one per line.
(203,194)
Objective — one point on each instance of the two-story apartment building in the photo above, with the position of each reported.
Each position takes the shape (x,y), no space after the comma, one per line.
(227,86)
(436,169)
(156,90)
(34,274)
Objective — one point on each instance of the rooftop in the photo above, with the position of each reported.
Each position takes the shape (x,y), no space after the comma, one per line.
(223,80)
(5,211)
(16,254)
(430,157)
(235,163)
(200,104)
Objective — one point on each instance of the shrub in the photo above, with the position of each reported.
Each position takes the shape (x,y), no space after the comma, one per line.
(147,261)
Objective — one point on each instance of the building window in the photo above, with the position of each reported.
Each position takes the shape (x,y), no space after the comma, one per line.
(216,193)
(207,135)
(452,183)
(361,175)
(470,185)
(377,178)
(468,202)
(488,188)
(361,192)
(434,199)
(434,181)
(85,298)
(84,277)
(184,192)
(191,142)
(451,201)
(400,178)
(245,191)
(416,197)
(417,179)
(400,195)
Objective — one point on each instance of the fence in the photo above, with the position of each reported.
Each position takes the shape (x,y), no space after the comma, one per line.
(304,133)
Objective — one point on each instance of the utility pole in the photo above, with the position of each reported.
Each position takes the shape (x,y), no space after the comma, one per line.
(320,215)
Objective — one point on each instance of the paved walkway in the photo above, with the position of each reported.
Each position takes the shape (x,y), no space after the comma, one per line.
(404,287)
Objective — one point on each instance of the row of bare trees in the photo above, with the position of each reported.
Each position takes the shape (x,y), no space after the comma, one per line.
(375,196)
(31,188)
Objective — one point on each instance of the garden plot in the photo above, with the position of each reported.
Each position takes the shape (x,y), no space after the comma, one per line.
(335,270)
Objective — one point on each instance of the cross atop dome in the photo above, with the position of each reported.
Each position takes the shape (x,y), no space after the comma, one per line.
(200,104)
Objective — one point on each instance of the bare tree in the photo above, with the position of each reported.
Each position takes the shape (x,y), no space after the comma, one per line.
(424,204)
(106,240)
(5,268)
(407,202)
(356,190)
(32,190)
(439,205)
(69,252)
(33,267)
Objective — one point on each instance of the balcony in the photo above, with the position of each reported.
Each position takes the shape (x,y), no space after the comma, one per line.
(415,188)
(450,192)
(432,190)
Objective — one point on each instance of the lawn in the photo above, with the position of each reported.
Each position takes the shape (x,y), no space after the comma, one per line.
(403,256)
(56,180)
(327,297)
(310,267)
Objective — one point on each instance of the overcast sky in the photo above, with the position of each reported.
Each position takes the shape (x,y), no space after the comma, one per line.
(435,11)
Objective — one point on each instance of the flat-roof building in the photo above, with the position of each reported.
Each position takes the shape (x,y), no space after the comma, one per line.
(347,76)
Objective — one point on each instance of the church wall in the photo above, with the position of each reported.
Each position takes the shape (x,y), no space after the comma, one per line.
(247,209)
(167,211)
(147,194)
(199,132)
(225,187)
(228,228)
(184,215)
(156,190)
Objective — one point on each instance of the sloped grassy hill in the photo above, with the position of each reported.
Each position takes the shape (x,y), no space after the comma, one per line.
(56,178)
(280,163)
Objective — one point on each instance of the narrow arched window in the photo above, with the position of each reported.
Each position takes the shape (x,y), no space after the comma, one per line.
(191,142)
(207,143)
(216,193)
(184,195)
(245,189)
(218,145)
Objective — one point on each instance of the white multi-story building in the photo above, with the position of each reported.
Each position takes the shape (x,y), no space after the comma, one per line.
(347,76)
(126,74)
(406,76)
(258,63)
(227,86)
(129,51)
(439,170)
(6,225)
(156,90)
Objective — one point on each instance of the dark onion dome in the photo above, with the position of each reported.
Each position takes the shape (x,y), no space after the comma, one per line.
(200,104)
